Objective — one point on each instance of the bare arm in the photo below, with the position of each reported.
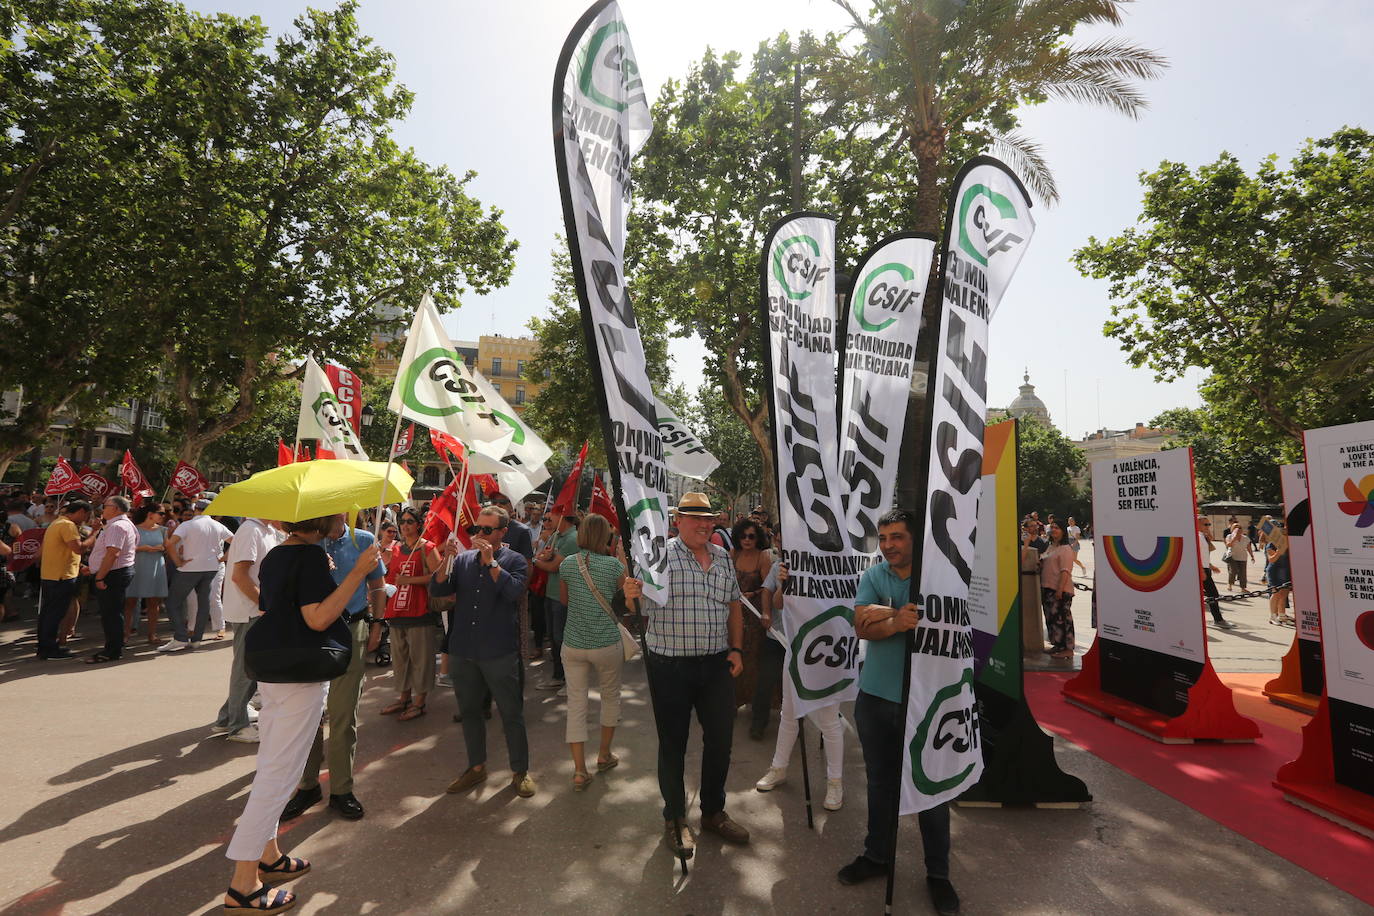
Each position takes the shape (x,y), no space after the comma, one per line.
(173,546)
(320,615)
(243,580)
(876,621)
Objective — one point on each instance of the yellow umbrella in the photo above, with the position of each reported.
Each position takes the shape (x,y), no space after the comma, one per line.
(310,489)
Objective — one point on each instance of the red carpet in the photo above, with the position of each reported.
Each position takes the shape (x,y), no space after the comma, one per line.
(1230,783)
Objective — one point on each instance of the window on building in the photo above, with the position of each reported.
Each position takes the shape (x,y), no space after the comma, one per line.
(520,368)
(431,476)
(520,395)
(496,365)
(497,386)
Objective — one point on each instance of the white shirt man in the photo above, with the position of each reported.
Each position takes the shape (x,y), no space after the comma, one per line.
(251,543)
(196,549)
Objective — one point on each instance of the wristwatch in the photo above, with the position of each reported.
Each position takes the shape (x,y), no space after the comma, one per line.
(735,649)
(494,565)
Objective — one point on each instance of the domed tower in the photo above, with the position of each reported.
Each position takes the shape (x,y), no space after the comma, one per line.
(1028,405)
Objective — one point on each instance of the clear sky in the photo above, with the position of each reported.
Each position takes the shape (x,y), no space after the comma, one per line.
(1252,77)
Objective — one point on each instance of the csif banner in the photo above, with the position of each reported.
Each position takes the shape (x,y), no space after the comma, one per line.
(600,120)
(523,454)
(800,319)
(322,417)
(988,227)
(682,450)
(881,325)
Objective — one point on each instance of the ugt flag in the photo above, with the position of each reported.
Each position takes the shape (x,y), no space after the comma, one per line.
(64,479)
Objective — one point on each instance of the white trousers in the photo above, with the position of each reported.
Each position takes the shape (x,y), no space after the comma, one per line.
(286,726)
(826,719)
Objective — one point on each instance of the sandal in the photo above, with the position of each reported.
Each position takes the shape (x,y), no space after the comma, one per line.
(581,781)
(610,763)
(412,712)
(284,869)
(257,901)
(1062,653)
(100,658)
(398,706)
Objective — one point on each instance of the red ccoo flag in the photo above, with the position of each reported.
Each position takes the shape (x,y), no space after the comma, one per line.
(284,456)
(64,479)
(602,504)
(440,520)
(566,503)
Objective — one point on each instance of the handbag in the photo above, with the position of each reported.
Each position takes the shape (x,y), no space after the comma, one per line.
(628,644)
(281,648)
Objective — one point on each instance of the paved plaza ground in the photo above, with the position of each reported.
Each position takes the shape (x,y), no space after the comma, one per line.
(118,801)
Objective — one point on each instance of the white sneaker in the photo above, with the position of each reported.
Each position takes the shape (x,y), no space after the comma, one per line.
(444,680)
(249,735)
(562,691)
(174,645)
(775,777)
(834,794)
(256,702)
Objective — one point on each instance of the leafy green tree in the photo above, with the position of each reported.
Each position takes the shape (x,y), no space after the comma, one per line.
(1046,462)
(1242,275)
(566,411)
(217,210)
(1224,467)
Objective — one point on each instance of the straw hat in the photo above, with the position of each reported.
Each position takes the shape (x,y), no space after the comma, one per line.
(697,505)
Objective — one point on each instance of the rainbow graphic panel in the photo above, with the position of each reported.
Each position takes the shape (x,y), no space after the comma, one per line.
(1144,574)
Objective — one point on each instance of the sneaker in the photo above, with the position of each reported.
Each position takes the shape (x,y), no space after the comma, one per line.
(1226,624)
(174,645)
(444,680)
(553,684)
(562,691)
(256,702)
(471,779)
(775,777)
(679,838)
(834,794)
(523,784)
(942,896)
(722,826)
(860,870)
(220,729)
(246,735)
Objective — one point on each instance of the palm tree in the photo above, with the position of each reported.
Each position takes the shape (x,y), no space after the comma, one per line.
(946,76)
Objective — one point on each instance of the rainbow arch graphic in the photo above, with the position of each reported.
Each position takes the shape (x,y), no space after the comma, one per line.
(1144,574)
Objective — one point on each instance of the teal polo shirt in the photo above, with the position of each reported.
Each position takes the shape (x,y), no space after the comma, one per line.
(885,661)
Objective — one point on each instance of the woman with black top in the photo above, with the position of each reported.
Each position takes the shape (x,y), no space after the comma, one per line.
(294,579)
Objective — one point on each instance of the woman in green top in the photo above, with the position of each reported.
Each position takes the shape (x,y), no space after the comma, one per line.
(591,641)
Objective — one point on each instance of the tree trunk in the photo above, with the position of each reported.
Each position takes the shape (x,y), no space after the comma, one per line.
(137,432)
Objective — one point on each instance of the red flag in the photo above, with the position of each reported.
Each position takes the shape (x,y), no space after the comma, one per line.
(64,479)
(488,484)
(132,477)
(443,443)
(322,453)
(405,467)
(284,456)
(188,480)
(348,391)
(566,503)
(25,549)
(94,485)
(403,444)
(602,504)
(303,453)
(440,521)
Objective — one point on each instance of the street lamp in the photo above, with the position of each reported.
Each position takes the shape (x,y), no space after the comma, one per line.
(367,416)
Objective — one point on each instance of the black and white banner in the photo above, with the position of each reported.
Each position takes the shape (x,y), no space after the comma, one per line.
(800,322)
(988,228)
(881,327)
(600,120)
(683,451)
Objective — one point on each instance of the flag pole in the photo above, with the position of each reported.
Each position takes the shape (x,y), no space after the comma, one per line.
(381,496)
(806,770)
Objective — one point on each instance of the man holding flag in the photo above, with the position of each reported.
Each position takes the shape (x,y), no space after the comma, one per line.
(884,614)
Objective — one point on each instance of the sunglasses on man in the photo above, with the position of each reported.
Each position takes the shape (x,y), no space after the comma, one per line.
(480,529)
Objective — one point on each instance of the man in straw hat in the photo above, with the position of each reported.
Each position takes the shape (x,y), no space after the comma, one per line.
(694,655)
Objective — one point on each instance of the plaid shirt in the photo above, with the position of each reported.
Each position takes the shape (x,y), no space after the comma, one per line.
(694,621)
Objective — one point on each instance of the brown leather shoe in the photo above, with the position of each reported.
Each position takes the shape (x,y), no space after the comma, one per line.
(471,778)
(721,825)
(679,837)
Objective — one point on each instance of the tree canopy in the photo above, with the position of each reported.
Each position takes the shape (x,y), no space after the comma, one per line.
(1224,467)
(1046,464)
(1263,280)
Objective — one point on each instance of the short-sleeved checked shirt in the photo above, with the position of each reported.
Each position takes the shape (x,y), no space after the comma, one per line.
(695,619)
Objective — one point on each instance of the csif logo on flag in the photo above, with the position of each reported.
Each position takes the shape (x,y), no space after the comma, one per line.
(607,72)
(989,218)
(824,654)
(441,366)
(883,294)
(798,266)
(944,746)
